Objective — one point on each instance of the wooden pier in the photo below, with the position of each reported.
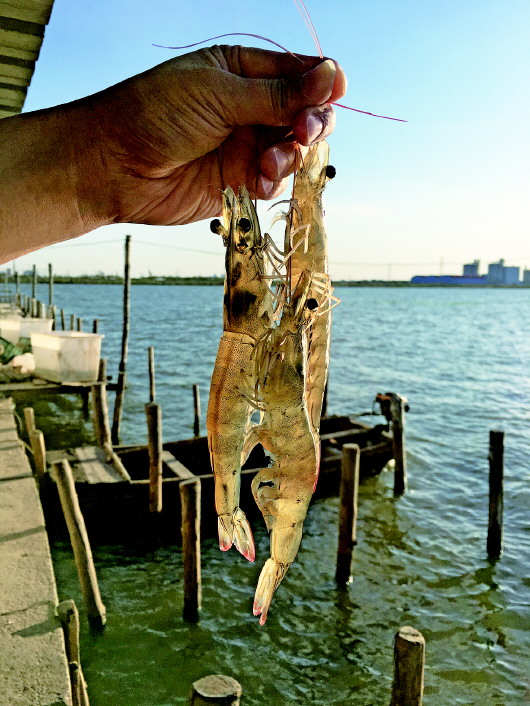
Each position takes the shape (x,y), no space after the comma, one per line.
(33,663)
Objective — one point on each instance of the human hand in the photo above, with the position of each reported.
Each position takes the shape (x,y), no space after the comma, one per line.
(160,147)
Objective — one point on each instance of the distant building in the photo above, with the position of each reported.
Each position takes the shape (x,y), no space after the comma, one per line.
(511,275)
(498,273)
(471,270)
(526,277)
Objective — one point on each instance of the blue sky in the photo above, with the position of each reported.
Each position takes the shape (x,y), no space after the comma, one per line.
(448,187)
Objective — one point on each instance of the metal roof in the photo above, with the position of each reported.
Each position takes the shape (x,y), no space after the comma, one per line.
(22,25)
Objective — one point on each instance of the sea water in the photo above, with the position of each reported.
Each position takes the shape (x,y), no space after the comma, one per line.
(462,357)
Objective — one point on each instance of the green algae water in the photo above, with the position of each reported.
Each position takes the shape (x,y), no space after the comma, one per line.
(462,357)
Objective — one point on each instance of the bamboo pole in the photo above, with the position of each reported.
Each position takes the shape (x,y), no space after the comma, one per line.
(50,283)
(153,413)
(38,447)
(496,494)
(349,491)
(80,544)
(36,440)
(409,666)
(100,405)
(196,411)
(216,689)
(69,616)
(122,373)
(117,462)
(397,409)
(29,418)
(190,498)
(151,364)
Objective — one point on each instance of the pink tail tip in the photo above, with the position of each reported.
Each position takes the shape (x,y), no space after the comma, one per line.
(250,554)
(224,546)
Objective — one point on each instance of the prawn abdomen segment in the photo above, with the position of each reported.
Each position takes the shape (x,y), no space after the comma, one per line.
(227,422)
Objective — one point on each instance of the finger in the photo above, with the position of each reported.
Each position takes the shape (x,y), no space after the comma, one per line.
(275,101)
(281,160)
(314,124)
(249,62)
(267,189)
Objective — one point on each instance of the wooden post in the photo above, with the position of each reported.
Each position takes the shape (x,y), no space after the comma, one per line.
(151,363)
(50,283)
(63,326)
(153,414)
(117,462)
(72,322)
(34,283)
(38,447)
(29,418)
(69,616)
(100,405)
(496,498)
(349,491)
(41,310)
(216,689)
(397,410)
(190,498)
(80,543)
(36,440)
(79,324)
(95,326)
(122,373)
(196,411)
(409,665)
(17,289)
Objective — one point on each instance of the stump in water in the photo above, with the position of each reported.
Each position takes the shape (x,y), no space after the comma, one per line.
(216,689)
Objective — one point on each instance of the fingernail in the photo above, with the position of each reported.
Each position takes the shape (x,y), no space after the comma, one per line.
(281,160)
(266,185)
(314,127)
(318,83)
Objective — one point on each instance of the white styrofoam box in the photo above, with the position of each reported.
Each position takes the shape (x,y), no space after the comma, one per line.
(13,329)
(66,356)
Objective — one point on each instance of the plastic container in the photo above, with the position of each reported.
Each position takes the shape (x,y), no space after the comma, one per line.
(66,356)
(19,327)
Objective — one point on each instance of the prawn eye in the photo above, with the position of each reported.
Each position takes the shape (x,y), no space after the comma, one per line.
(245,225)
(312,304)
(330,171)
(215,225)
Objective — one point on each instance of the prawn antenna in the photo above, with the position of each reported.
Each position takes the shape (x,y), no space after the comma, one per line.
(302,9)
(365,112)
(231,34)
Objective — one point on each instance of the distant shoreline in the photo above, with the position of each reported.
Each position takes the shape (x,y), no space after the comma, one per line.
(218,281)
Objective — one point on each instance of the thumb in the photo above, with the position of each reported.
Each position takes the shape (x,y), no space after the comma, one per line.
(275,102)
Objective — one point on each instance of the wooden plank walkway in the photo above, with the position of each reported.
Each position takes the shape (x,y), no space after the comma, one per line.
(33,666)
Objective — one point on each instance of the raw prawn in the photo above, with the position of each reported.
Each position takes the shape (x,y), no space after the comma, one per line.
(291,362)
(306,242)
(246,315)
(284,490)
